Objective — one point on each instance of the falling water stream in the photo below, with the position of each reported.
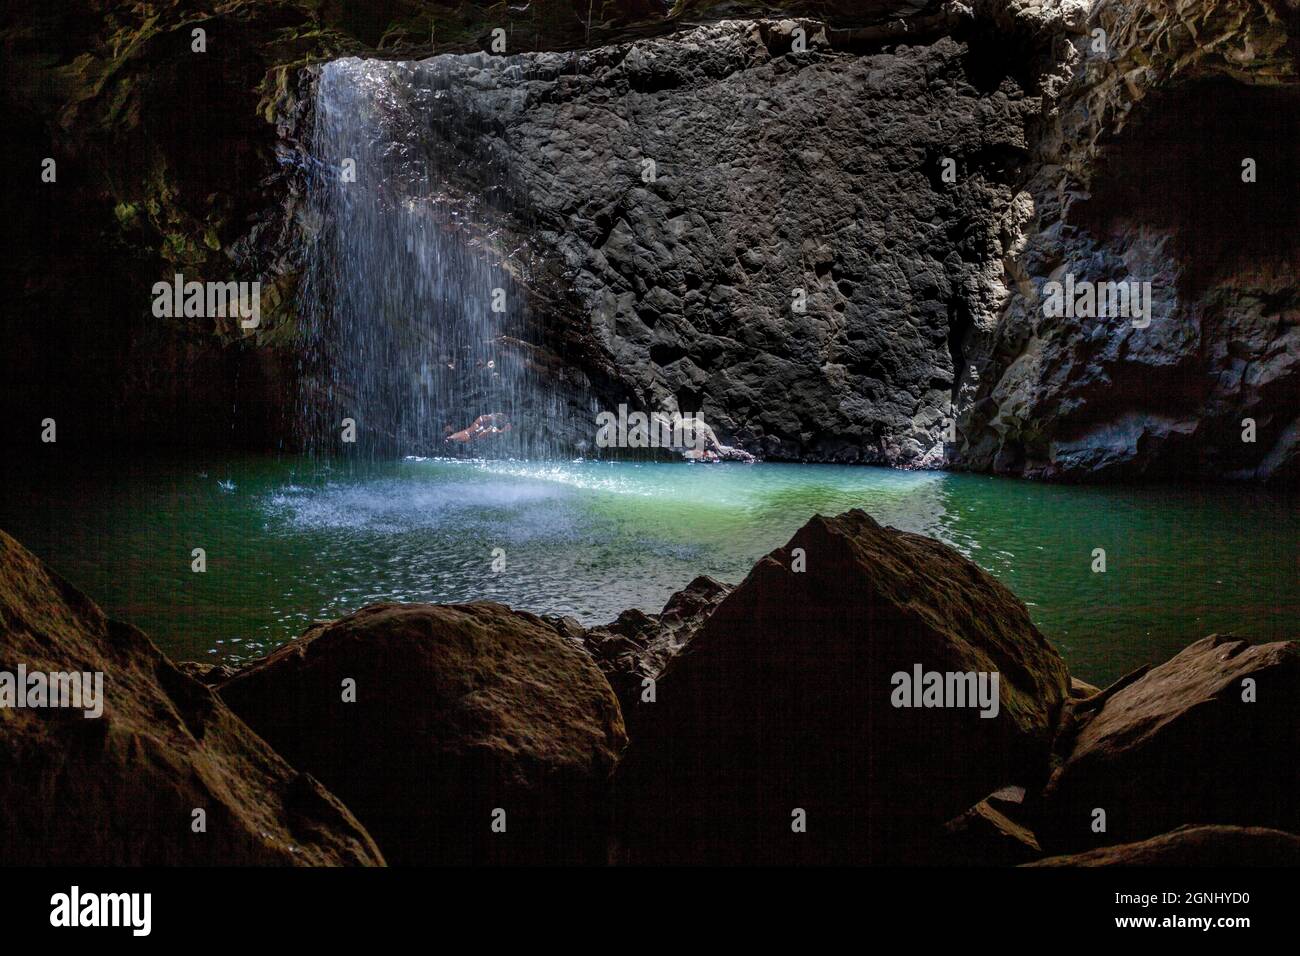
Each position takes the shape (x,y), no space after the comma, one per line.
(414,313)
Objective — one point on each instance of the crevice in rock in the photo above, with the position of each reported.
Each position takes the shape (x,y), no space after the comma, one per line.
(1178,167)
(993,57)
(689,401)
(666,354)
(959,326)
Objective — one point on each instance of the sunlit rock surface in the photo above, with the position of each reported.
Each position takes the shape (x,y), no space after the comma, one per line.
(1138,176)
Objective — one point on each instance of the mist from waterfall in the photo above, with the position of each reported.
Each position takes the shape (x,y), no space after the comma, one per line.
(413,309)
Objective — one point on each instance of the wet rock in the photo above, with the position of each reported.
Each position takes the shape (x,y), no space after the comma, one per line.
(121,789)
(1181,744)
(638,646)
(461,712)
(783,702)
(1194,846)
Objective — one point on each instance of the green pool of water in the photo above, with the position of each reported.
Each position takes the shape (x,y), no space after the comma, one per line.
(289,541)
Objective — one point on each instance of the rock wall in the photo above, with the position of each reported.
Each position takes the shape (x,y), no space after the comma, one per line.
(770,233)
(800,269)
(1137,176)
(761,235)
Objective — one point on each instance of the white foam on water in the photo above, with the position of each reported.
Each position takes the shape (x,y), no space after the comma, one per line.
(395,506)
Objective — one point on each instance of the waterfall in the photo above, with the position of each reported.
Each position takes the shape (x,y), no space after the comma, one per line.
(414,317)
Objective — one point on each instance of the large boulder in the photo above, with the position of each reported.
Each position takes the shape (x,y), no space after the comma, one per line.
(1193,846)
(122,788)
(460,712)
(1182,743)
(782,703)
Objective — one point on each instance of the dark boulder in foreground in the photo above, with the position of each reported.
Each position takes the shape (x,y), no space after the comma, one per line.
(638,646)
(1181,743)
(460,712)
(121,789)
(782,703)
(1194,846)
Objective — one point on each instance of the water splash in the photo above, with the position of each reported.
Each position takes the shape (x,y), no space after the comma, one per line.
(415,318)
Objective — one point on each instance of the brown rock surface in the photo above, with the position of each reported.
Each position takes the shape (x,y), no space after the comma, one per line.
(459,710)
(986,835)
(637,645)
(1082,690)
(1194,846)
(1179,745)
(782,702)
(120,789)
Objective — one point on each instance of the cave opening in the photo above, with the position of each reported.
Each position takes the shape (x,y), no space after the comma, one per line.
(1180,166)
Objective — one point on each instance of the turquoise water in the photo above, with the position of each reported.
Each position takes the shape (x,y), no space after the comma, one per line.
(289,542)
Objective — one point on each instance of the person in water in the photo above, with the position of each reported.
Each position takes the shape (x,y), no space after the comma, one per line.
(494,423)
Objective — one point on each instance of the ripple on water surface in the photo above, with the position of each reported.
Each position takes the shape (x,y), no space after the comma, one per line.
(289,541)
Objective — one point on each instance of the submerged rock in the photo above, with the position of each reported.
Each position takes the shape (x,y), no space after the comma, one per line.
(1209,736)
(123,788)
(1194,846)
(781,710)
(458,733)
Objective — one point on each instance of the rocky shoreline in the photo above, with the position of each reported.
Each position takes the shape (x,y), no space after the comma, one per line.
(761,723)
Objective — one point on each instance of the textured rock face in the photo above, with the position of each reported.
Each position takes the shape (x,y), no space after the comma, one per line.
(121,789)
(1182,744)
(783,702)
(1194,846)
(115,93)
(1105,159)
(638,646)
(760,235)
(1100,160)
(460,711)
(1137,176)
